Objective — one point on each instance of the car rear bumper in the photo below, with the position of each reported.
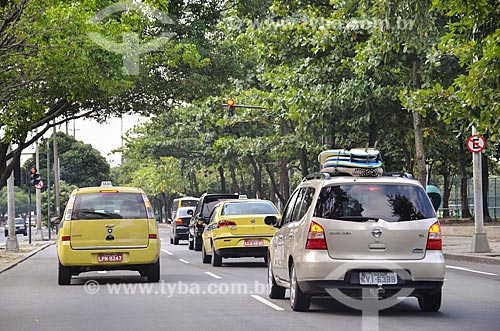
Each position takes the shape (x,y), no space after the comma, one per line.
(316,271)
(89,258)
(242,252)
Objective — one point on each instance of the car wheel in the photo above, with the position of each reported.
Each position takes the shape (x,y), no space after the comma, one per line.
(217,259)
(430,302)
(204,257)
(171,240)
(197,244)
(153,272)
(274,291)
(63,275)
(299,301)
(25,233)
(6,233)
(176,241)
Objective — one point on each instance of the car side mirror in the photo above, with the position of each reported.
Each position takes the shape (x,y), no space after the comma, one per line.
(271,220)
(55,220)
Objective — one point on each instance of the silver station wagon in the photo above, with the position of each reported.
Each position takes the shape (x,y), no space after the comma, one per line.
(353,237)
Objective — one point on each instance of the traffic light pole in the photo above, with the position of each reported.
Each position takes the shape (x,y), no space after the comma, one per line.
(29,214)
(38,199)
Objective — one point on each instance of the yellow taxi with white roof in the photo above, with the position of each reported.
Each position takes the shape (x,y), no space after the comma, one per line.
(108,228)
(237,228)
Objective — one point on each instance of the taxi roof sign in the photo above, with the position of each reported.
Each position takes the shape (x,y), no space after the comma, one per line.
(106,183)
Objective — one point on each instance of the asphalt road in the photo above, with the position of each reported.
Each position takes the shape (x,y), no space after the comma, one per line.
(196,296)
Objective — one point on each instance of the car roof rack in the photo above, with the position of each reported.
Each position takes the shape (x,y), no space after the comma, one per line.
(398,174)
(317,175)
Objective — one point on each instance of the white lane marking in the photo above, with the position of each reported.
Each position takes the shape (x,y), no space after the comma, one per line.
(167,252)
(268,303)
(213,275)
(471,270)
(184,261)
(101,271)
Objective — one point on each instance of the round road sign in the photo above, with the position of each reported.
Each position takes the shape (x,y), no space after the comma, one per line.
(476,144)
(39,185)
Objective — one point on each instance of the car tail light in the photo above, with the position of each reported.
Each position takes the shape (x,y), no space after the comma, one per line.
(316,237)
(66,238)
(153,236)
(226,223)
(178,221)
(434,241)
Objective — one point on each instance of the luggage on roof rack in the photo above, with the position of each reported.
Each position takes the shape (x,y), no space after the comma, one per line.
(359,162)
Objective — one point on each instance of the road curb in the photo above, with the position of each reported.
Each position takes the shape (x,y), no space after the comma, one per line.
(469,258)
(28,255)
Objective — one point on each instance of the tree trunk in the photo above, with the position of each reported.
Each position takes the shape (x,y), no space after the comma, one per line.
(257,173)
(417,127)
(303,162)
(275,185)
(222,179)
(446,193)
(464,198)
(284,180)
(372,133)
(234,182)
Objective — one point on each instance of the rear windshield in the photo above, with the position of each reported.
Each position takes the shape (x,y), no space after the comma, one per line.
(393,203)
(108,205)
(188,202)
(251,208)
(210,202)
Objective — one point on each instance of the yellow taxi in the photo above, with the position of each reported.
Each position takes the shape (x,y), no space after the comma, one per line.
(108,228)
(237,228)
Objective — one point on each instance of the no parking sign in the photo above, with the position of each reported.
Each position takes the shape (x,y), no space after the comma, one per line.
(476,144)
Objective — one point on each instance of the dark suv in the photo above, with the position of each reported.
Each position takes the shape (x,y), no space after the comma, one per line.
(201,214)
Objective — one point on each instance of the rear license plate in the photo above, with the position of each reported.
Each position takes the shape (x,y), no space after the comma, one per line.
(375,278)
(115,257)
(254,242)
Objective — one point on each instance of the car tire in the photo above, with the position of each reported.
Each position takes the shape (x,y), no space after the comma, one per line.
(299,301)
(153,272)
(6,233)
(171,240)
(217,259)
(205,258)
(430,302)
(274,291)
(176,241)
(63,275)
(25,233)
(197,244)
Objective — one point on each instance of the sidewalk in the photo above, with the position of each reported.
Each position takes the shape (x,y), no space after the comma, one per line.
(457,243)
(457,246)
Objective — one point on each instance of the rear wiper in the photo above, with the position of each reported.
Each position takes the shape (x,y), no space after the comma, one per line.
(93,212)
(357,218)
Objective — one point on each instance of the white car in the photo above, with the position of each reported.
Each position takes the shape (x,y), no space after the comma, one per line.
(350,236)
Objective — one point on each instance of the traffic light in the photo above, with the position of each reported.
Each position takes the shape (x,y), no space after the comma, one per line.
(35,177)
(230,107)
